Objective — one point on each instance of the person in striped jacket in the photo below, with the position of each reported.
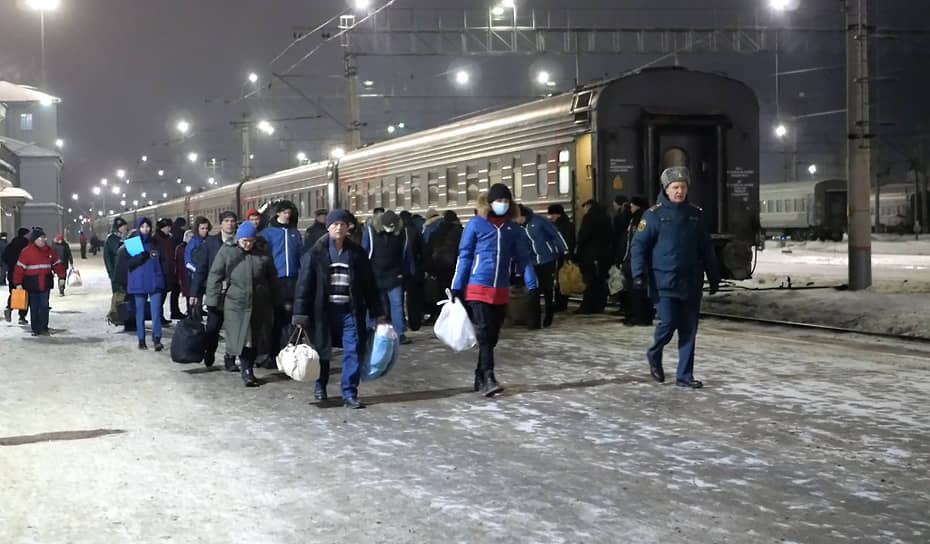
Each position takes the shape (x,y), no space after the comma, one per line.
(33,272)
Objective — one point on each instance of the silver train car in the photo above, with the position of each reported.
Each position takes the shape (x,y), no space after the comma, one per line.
(609,138)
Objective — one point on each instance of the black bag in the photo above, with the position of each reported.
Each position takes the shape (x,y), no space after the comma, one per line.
(188,340)
(127,310)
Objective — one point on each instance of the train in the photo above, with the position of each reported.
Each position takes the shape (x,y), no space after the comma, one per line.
(599,140)
(817,209)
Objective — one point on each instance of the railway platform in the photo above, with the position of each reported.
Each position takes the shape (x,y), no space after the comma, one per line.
(797,436)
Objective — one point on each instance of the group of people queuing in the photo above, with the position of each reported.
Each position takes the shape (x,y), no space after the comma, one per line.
(30,263)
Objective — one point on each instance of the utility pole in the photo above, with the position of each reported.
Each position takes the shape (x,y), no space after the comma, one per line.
(346,22)
(858,148)
(245,129)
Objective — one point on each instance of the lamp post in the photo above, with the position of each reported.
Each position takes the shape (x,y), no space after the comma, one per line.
(42,6)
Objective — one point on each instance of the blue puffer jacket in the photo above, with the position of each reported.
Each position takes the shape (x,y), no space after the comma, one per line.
(545,240)
(145,273)
(672,251)
(486,253)
(195,242)
(286,246)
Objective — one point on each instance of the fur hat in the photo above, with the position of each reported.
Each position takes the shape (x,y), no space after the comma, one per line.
(675,174)
(164,222)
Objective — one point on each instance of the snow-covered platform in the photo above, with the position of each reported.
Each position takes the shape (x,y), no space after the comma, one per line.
(797,437)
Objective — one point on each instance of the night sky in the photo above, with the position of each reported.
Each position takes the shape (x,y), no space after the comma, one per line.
(128,70)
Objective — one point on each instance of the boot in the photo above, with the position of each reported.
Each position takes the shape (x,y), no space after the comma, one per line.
(490,385)
(158,345)
(229,362)
(479,380)
(245,365)
(142,344)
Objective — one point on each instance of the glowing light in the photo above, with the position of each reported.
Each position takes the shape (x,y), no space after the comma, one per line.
(462,77)
(391,129)
(497,11)
(542,77)
(192,157)
(337,153)
(265,127)
(145,158)
(59,143)
(161,173)
(183,126)
(812,169)
(781,131)
(253,77)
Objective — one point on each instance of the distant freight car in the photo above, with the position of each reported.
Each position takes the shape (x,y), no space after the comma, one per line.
(600,140)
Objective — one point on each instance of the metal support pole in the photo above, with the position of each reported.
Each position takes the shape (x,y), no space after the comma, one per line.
(246,151)
(42,37)
(859,152)
(355,133)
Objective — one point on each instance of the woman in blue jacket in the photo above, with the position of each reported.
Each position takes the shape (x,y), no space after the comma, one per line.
(146,281)
(490,243)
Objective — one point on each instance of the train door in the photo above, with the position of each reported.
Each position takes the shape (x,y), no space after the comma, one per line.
(698,144)
(835,210)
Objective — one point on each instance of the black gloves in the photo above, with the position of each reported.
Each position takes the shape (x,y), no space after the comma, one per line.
(458,294)
(301,321)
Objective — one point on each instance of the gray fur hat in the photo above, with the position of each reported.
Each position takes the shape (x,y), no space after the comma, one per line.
(675,174)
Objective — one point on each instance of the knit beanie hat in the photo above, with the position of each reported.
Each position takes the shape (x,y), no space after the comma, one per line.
(499,191)
(555,209)
(675,174)
(246,230)
(252,212)
(37,233)
(226,214)
(337,215)
(640,201)
(23,231)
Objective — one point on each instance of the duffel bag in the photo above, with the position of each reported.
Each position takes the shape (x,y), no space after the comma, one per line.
(188,340)
(298,359)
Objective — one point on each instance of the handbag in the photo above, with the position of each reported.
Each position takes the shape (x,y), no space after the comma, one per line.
(187,344)
(113,316)
(614,280)
(74,278)
(571,282)
(19,300)
(299,360)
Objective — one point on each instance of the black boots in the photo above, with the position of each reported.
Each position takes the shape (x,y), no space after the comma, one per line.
(229,363)
(490,386)
(142,344)
(246,362)
(158,344)
(479,381)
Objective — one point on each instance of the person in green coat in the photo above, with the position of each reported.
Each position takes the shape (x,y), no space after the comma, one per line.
(243,285)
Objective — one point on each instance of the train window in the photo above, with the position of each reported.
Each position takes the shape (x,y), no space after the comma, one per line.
(362,196)
(542,175)
(530,174)
(803,204)
(415,190)
(565,179)
(452,186)
(372,194)
(472,182)
(494,173)
(386,192)
(517,177)
(779,205)
(401,187)
(432,188)
(674,156)
(483,177)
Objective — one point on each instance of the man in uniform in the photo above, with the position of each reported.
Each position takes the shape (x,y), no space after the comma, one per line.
(670,254)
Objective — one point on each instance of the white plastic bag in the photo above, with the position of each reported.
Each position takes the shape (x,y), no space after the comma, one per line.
(614,280)
(453,326)
(74,278)
(299,361)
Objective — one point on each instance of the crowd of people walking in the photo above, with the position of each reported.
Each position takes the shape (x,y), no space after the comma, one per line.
(258,279)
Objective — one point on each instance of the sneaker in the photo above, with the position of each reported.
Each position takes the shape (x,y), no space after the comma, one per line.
(319,392)
(22,321)
(352,403)
(692,383)
(404,340)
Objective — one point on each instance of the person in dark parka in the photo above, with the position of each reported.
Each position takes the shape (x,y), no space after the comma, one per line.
(595,242)
(620,223)
(201,261)
(246,283)
(335,290)
(567,229)
(63,250)
(3,243)
(10,256)
(164,237)
(390,255)
(442,252)
(637,310)
(317,230)
(671,253)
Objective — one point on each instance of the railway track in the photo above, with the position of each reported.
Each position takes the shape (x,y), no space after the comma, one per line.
(816,327)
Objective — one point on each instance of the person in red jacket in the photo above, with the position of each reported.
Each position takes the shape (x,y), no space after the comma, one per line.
(33,272)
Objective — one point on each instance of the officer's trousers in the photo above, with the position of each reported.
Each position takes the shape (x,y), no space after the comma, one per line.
(680,315)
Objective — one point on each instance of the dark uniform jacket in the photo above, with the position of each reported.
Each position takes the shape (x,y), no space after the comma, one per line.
(311,300)
(202,258)
(672,251)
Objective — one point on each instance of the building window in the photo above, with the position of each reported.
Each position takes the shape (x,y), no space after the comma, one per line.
(25,121)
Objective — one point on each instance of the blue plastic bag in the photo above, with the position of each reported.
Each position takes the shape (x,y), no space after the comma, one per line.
(384,348)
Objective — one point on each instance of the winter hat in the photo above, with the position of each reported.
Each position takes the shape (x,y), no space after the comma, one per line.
(321,211)
(390,219)
(228,214)
(640,201)
(338,215)
(555,209)
(59,237)
(431,213)
(524,211)
(164,222)
(620,200)
(252,212)
(118,222)
(675,174)
(450,216)
(2,235)
(37,233)
(246,230)
(499,191)
(23,231)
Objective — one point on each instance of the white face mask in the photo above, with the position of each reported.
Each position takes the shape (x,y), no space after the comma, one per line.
(389,229)
(500,208)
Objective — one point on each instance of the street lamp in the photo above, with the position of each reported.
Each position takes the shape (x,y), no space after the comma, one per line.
(542,77)
(183,126)
(192,157)
(103,181)
(161,173)
(368,83)
(497,11)
(510,4)
(187,189)
(265,127)
(120,173)
(784,5)
(42,6)
(462,77)
(781,130)
(337,153)
(135,202)
(145,158)
(164,195)
(115,190)
(142,195)
(401,125)
(96,190)
(179,181)
(59,143)
(812,169)
(301,157)
(122,202)
(253,77)
(211,181)
(391,129)
(361,5)
(74,196)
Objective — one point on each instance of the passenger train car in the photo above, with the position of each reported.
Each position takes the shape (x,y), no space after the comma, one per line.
(817,209)
(595,142)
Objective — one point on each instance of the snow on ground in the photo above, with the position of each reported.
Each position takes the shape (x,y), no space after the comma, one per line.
(898,301)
